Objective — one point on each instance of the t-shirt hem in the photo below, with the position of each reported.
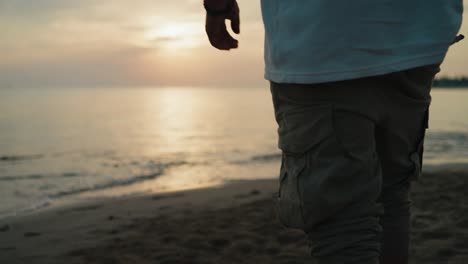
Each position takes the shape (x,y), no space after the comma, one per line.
(320,77)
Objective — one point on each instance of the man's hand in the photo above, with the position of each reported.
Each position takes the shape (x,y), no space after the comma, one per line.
(216,27)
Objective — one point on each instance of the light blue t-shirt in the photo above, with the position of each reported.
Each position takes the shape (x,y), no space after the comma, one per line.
(313,41)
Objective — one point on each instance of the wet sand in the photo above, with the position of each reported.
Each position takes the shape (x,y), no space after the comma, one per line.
(235,223)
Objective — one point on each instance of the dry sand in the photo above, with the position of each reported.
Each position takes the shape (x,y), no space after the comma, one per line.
(235,223)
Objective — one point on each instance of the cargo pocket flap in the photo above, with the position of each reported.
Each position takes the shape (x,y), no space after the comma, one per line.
(303,129)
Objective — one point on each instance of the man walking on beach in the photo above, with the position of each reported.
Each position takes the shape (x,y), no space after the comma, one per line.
(350,82)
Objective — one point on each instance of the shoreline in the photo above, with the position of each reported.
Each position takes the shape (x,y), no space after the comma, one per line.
(232,223)
(132,190)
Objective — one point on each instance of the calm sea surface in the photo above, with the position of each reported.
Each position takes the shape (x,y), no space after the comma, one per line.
(59,144)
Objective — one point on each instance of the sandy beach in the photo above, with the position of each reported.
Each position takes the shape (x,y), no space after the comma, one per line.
(235,223)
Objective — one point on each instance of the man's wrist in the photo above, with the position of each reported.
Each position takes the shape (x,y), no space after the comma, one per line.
(216,4)
(218,7)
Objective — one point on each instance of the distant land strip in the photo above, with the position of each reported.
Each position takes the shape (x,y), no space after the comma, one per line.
(461,82)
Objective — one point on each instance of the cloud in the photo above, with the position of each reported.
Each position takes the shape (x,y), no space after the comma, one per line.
(165,39)
(119,42)
(114,67)
(137,66)
(57,22)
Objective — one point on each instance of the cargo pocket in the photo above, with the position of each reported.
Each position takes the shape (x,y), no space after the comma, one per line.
(417,156)
(300,132)
(289,204)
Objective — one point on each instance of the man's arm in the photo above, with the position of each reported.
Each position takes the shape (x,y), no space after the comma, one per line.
(218,11)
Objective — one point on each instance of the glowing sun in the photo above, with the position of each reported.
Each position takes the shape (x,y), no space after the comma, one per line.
(175,35)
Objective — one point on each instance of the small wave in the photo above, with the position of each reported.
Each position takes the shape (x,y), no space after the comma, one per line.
(446,145)
(45,199)
(38,176)
(267,157)
(118,182)
(259,158)
(22,178)
(36,206)
(20,157)
(70,174)
(106,185)
(45,202)
(448,136)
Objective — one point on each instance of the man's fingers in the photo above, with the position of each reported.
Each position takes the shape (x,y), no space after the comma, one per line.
(217,32)
(235,25)
(219,36)
(235,19)
(225,34)
(222,41)
(213,30)
(220,44)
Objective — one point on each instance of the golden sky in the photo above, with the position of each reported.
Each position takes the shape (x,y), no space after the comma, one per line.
(134,43)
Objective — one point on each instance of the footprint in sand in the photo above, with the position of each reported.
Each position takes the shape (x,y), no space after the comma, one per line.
(32,234)
(4,228)
(7,248)
(220,242)
(463,224)
(165,207)
(112,218)
(250,194)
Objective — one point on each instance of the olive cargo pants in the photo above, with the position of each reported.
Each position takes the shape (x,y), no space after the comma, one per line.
(350,151)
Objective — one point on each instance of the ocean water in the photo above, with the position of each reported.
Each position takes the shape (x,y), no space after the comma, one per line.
(71,144)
